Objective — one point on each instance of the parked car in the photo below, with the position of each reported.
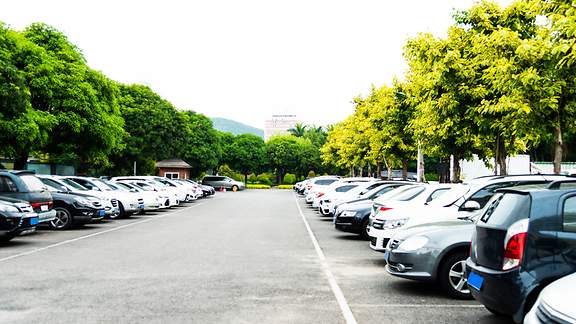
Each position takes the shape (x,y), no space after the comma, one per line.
(462,201)
(152,200)
(128,202)
(24,185)
(354,216)
(219,182)
(555,303)
(524,240)
(74,208)
(16,217)
(110,204)
(176,194)
(405,199)
(166,198)
(317,184)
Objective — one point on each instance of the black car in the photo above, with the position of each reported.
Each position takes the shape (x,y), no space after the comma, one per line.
(524,240)
(74,208)
(24,185)
(16,217)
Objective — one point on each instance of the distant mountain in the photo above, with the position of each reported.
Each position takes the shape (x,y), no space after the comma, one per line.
(234,127)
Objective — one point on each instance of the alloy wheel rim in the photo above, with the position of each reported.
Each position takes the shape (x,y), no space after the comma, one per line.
(457,277)
(62,218)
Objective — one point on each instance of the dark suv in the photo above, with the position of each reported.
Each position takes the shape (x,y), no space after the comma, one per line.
(74,208)
(524,240)
(26,186)
(16,217)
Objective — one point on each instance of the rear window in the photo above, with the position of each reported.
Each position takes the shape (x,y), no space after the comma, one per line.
(33,183)
(74,185)
(504,209)
(325,182)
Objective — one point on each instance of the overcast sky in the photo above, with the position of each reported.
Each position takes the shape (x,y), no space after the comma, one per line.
(245,60)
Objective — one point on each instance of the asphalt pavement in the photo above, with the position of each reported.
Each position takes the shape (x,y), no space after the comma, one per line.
(244,257)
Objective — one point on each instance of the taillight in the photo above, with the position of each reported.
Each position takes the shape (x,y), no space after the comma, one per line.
(320,194)
(514,244)
(383,209)
(50,204)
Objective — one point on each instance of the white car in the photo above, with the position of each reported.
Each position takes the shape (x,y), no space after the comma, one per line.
(110,205)
(555,304)
(128,202)
(176,194)
(165,199)
(150,199)
(318,184)
(462,201)
(406,199)
(328,202)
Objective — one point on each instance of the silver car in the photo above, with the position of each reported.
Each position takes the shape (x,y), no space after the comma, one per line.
(433,252)
(555,303)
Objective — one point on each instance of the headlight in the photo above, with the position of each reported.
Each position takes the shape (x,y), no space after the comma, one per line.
(413,243)
(348,213)
(8,208)
(82,201)
(394,223)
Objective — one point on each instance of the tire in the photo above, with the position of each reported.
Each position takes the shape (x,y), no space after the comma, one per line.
(364,229)
(7,237)
(495,312)
(122,213)
(234,188)
(63,219)
(452,276)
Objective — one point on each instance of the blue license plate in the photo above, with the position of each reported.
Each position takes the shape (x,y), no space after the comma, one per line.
(141,206)
(475,281)
(102,212)
(34,221)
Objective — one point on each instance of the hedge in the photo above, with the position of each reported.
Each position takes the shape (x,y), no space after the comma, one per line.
(285,186)
(257,186)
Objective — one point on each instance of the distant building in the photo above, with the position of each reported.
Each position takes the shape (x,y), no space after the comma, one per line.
(174,169)
(279,125)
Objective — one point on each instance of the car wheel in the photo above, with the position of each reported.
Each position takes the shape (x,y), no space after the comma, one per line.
(494,312)
(121,214)
(364,230)
(7,237)
(63,219)
(234,188)
(452,276)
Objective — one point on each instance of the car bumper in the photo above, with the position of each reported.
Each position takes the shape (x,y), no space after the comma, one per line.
(85,216)
(47,216)
(410,265)
(377,240)
(503,291)
(348,224)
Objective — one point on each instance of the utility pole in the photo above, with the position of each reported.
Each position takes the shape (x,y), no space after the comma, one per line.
(134,167)
(420,165)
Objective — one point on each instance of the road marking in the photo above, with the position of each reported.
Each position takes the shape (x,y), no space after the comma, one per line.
(344,307)
(94,234)
(418,305)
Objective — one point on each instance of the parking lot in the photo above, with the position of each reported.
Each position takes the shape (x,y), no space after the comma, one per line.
(241,257)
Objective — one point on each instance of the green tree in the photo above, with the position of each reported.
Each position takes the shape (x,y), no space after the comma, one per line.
(248,154)
(298,130)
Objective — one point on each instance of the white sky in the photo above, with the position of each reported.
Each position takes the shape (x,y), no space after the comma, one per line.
(245,60)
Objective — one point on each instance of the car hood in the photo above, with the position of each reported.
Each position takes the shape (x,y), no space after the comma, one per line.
(12,200)
(437,229)
(559,296)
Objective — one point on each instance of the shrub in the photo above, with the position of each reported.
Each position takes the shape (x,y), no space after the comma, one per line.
(264,178)
(433,176)
(311,174)
(289,178)
(252,178)
(257,186)
(285,186)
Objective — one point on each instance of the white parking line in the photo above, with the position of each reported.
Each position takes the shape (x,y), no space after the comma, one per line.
(94,234)
(418,305)
(344,307)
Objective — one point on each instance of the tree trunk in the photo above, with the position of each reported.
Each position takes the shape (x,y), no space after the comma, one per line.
(245,179)
(21,160)
(404,169)
(455,176)
(379,171)
(500,157)
(558,145)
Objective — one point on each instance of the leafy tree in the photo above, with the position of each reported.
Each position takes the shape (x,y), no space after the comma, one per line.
(247,154)
(298,130)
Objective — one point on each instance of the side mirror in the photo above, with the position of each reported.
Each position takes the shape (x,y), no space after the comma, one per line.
(133,190)
(64,189)
(471,205)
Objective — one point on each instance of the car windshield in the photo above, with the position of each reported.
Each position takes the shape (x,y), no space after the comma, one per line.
(451,196)
(73,185)
(115,186)
(409,193)
(103,186)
